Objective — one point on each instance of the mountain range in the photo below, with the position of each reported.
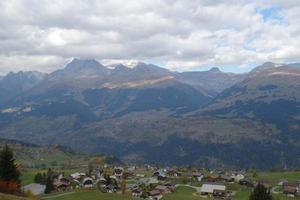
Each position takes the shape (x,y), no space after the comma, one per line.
(146,113)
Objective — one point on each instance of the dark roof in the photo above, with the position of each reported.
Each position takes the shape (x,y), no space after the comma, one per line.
(154,193)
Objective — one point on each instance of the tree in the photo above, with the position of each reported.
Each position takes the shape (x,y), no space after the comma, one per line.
(40,178)
(49,182)
(123,186)
(8,168)
(260,192)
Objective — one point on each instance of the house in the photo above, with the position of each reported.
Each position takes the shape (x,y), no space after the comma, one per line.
(88,182)
(198,176)
(226,178)
(160,174)
(210,189)
(110,188)
(219,193)
(237,176)
(77,175)
(60,186)
(212,178)
(291,189)
(155,195)
(35,188)
(137,192)
(173,173)
(172,186)
(102,181)
(118,172)
(163,189)
(246,182)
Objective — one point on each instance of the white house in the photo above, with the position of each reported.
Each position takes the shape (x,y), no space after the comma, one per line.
(237,177)
(210,188)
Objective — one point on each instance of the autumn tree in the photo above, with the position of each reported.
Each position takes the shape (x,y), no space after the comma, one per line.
(9,172)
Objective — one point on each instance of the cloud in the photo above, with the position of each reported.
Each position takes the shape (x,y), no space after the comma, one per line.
(183,35)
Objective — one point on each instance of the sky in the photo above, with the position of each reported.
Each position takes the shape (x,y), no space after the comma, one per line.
(180,35)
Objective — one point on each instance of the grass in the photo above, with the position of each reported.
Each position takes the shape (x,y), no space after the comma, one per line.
(11,197)
(28,175)
(181,193)
(274,177)
(87,195)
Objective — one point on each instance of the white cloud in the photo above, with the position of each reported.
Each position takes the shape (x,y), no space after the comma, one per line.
(43,34)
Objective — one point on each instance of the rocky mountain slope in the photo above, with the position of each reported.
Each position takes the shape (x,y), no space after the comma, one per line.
(147,113)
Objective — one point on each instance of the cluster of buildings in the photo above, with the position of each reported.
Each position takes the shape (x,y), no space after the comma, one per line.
(291,189)
(153,183)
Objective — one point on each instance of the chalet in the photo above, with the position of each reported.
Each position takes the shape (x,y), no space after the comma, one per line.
(61,186)
(198,176)
(219,193)
(212,178)
(118,172)
(77,175)
(110,188)
(88,182)
(155,195)
(212,189)
(291,189)
(173,173)
(172,186)
(137,193)
(237,176)
(228,179)
(160,175)
(101,181)
(246,182)
(163,189)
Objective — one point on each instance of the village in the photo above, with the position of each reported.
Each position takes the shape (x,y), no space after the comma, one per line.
(154,183)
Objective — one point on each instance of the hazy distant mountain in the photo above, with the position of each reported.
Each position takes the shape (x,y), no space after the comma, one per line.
(147,113)
(91,91)
(14,84)
(213,81)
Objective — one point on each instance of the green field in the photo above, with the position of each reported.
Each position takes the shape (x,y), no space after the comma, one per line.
(87,195)
(274,177)
(185,193)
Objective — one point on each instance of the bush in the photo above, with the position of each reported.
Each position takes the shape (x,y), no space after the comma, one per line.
(10,187)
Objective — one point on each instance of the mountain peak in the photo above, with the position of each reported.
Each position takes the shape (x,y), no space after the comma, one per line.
(83,63)
(214,69)
(265,66)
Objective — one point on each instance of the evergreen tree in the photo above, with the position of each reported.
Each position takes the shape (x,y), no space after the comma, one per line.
(261,193)
(8,168)
(38,178)
(49,182)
